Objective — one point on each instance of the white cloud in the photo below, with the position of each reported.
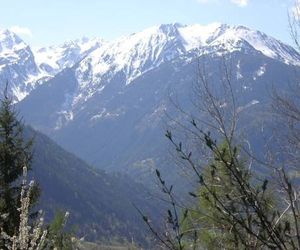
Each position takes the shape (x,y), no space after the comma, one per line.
(241,3)
(21,30)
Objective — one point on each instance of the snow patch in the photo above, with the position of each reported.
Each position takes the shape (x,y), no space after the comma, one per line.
(242,108)
(261,71)
(239,75)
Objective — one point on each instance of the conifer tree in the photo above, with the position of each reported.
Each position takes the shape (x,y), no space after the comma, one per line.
(15,153)
(205,217)
(217,229)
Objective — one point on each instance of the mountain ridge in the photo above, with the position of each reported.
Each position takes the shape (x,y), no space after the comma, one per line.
(133,54)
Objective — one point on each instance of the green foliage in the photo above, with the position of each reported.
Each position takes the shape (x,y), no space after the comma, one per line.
(221,197)
(213,229)
(15,154)
(57,236)
(232,208)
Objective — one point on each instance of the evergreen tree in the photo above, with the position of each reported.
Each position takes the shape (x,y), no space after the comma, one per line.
(15,153)
(214,227)
(58,237)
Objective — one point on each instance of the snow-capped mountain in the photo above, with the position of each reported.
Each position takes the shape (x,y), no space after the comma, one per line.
(141,52)
(53,59)
(17,65)
(131,55)
(24,69)
(108,107)
(10,43)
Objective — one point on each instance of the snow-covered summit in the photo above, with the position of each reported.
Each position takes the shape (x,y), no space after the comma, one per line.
(140,52)
(11,46)
(232,38)
(53,59)
(196,36)
(136,53)
(10,41)
(17,65)
(25,69)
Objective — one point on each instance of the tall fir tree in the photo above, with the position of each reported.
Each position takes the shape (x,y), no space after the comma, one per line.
(216,227)
(15,153)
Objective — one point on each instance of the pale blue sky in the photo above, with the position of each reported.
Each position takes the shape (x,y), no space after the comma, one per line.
(41,22)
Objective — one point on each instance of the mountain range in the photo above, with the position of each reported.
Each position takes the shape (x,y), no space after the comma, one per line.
(106,101)
(133,55)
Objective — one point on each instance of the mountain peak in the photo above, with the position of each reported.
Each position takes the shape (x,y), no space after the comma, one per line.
(53,59)
(8,40)
(137,53)
(170,28)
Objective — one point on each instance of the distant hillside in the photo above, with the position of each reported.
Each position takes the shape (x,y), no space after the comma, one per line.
(100,204)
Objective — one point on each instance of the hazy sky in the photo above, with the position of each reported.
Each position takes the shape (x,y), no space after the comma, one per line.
(41,22)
